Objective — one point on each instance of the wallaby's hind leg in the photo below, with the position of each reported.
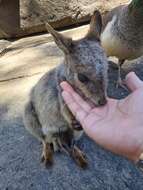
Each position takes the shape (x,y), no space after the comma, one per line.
(119,81)
(32,124)
(47,154)
(74,152)
(79,157)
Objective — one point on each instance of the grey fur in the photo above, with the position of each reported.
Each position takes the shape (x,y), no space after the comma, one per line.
(122,34)
(46,115)
(128,27)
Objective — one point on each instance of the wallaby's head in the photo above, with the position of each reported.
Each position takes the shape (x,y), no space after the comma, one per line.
(86,61)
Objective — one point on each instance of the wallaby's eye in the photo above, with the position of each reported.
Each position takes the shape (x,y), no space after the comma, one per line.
(82,78)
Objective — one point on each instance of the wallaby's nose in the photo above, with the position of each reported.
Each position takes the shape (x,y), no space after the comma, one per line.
(102,101)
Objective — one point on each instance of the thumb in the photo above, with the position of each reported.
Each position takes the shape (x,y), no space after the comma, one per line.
(133,82)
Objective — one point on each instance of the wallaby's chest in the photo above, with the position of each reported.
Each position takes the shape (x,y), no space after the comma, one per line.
(52,111)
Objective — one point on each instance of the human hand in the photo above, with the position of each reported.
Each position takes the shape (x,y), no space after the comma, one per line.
(117,126)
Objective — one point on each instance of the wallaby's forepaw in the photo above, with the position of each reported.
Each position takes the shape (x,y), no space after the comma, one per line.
(79,157)
(76,125)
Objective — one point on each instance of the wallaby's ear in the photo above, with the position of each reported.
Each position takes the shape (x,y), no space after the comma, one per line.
(95,26)
(62,42)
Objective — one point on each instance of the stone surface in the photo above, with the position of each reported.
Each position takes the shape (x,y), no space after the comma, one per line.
(24,17)
(9,18)
(20,167)
(4,44)
(24,43)
(53,11)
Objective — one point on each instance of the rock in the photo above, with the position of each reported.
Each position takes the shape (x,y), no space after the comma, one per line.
(9,18)
(33,41)
(28,16)
(4,44)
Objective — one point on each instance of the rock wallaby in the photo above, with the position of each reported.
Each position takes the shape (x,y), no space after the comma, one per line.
(85,67)
(122,34)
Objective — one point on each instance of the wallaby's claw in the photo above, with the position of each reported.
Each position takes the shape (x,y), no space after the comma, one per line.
(121,83)
(47,161)
(63,147)
(47,155)
(79,157)
(42,158)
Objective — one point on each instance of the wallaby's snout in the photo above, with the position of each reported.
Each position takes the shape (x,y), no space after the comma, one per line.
(96,97)
(100,95)
(102,101)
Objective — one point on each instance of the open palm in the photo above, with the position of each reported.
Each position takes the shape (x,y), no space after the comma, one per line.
(117,126)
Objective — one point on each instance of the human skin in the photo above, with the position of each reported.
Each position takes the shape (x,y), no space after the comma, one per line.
(117,126)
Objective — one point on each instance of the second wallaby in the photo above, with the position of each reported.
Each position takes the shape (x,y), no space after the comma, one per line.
(85,67)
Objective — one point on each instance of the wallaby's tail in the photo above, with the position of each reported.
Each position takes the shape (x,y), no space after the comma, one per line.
(31,121)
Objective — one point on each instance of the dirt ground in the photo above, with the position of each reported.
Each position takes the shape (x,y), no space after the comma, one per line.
(20,167)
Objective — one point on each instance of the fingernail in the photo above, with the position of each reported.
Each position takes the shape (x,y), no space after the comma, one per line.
(62,83)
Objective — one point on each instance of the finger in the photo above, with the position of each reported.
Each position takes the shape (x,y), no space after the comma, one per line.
(133,82)
(66,87)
